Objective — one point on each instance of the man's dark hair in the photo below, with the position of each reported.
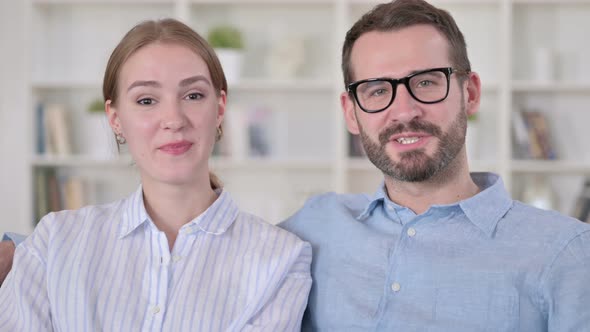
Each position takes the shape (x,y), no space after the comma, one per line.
(402,14)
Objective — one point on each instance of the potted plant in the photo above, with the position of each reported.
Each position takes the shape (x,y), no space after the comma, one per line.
(96,107)
(228,44)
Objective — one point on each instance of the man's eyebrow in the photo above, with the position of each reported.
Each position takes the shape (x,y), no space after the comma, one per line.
(193,79)
(144,83)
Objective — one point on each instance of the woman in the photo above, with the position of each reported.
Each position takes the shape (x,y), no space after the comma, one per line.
(176,255)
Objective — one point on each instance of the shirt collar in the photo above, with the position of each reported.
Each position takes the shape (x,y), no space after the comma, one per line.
(489,206)
(215,220)
(484,210)
(377,199)
(134,213)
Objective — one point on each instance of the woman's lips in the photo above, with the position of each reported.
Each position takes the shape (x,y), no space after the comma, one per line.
(176,148)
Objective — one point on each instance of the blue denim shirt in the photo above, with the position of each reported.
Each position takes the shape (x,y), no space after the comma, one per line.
(487,263)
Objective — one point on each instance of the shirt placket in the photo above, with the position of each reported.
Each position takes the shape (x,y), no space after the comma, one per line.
(395,280)
(158,279)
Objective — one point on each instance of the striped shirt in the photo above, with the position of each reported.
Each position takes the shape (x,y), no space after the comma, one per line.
(108,268)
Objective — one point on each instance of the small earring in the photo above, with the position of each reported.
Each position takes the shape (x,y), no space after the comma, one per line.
(218,134)
(120,139)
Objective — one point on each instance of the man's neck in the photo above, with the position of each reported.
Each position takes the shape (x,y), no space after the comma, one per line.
(448,186)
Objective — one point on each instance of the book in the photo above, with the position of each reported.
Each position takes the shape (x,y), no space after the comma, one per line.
(520,136)
(56,192)
(54,202)
(41,138)
(57,130)
(234,142)
(258,132)
(41,194)
(532,137)
(539,129)
(72,189)
(246,133)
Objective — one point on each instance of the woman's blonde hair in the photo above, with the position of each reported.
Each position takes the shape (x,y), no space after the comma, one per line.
(164,31)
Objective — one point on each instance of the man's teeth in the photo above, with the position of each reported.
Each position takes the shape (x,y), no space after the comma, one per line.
(408,140)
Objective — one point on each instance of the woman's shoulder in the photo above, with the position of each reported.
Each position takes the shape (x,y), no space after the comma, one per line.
(88,213)
(59,225)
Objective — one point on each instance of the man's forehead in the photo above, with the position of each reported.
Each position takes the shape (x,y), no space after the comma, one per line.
(398,52)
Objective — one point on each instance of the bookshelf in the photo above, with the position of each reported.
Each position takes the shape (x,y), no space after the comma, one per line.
(67,44)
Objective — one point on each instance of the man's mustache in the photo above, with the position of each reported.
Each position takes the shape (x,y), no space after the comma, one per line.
(413,126)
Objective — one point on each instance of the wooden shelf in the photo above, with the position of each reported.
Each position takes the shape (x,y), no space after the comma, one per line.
(550,166)
(80,161)
(552,87)
(225,163)
(216,162)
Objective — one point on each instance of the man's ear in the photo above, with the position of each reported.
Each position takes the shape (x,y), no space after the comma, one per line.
(472,93)
(113,117)
(348,109)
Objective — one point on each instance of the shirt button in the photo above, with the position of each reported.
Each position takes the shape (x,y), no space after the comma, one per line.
(395,287)
(155,309)
(176,258)
(390,208)
(411,232)
(163,261)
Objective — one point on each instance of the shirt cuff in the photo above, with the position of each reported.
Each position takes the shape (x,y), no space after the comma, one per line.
(16,238)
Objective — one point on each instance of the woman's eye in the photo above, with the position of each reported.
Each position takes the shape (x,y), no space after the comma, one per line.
(195,96)
(146,101)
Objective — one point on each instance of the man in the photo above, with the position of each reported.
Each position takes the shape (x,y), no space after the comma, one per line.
(435,248)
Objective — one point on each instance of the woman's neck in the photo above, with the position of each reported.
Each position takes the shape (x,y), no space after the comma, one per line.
(172,206)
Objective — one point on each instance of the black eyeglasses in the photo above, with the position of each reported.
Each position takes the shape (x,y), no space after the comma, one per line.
(428,86)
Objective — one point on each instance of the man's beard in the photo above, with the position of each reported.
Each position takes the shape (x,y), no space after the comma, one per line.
(416,165)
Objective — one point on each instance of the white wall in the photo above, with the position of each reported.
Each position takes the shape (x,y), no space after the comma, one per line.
(14,141)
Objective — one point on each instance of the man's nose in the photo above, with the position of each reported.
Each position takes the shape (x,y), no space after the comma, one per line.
(404,107)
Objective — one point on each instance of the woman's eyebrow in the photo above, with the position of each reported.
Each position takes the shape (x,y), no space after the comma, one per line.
(135,84)
(193,79)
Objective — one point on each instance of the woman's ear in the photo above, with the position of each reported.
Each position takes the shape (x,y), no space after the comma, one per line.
(221,104)
(113,117)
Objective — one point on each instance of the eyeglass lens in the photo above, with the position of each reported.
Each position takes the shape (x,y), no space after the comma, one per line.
(425,87)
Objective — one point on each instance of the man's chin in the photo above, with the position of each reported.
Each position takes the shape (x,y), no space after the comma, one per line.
(413,166)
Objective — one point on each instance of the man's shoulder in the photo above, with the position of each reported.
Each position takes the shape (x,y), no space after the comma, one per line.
(324,211)
(542,217)
(263,230)
(544,225)
(319,202)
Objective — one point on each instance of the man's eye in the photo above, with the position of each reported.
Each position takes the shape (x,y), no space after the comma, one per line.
(378,92)
(146,101)
(194,96)
(425,83)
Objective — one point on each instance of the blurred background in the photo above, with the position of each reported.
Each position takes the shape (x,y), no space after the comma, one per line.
(285,138)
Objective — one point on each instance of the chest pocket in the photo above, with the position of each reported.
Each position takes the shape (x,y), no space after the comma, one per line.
(477,301)
(347,295)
